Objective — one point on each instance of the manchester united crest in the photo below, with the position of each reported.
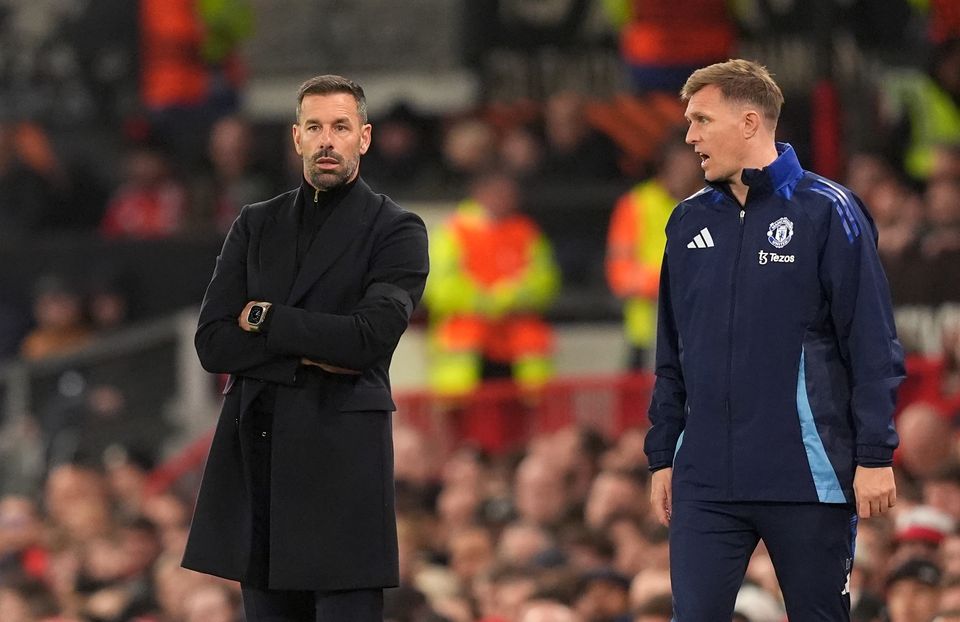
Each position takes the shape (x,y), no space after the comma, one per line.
(780,232)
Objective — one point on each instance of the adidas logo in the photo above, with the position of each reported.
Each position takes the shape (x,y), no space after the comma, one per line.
(702,240)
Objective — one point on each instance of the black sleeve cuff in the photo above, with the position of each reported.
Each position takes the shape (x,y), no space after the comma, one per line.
(265,324)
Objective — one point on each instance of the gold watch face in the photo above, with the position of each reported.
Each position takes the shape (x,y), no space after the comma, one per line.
(255,316)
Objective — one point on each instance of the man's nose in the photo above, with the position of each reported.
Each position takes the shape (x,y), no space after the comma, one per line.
(692,135)
(326,137)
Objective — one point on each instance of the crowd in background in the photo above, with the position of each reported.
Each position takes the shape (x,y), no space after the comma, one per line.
(558,530)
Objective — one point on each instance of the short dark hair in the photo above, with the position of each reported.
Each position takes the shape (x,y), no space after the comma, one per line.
(328,85)
(739,80)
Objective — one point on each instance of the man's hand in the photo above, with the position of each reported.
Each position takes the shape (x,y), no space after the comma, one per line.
(242,318)
(661,497)
(327,367)
(875,490)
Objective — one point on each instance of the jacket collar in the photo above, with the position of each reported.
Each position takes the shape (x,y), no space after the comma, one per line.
(278,248)
(780,176)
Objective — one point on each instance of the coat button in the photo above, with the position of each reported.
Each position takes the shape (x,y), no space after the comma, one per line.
(263,434)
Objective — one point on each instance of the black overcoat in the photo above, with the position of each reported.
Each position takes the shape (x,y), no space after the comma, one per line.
(332,523)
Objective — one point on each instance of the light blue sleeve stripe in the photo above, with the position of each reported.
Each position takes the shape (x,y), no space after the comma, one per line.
(824,477)
(679,442)
(847,204)
(836,204)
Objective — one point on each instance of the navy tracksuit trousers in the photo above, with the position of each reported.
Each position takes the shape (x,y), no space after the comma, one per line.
(810,544)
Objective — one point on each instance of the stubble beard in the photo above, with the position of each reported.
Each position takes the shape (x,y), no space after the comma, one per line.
(329,180)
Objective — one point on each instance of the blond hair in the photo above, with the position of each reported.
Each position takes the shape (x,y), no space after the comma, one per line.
(741,81)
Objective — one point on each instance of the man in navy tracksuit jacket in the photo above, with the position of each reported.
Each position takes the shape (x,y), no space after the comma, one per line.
(777,364)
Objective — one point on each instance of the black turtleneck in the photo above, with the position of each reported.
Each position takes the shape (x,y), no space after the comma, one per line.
(315,207)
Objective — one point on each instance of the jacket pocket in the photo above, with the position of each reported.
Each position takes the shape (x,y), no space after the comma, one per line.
(368,399)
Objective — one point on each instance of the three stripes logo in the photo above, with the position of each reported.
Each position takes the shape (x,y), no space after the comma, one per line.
(702,240)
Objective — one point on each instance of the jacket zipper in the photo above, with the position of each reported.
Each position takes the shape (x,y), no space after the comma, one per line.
(733,307)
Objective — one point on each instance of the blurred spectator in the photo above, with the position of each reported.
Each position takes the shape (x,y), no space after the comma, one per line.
(662,51)
(212,602)
(150,203)
(108,303)
(657,609)
(27,601)
(757,605)
(925,108)
(189,67)
(898,214)
(927,442)
(127,471)
(58,317)
(950,555)
(171,516)
(540,493)
(584,549)
(521,544)
(492,276)
(508,590)
(919,530)
(913,591)
(415,461)
(548,611)
(603,596)
(636,240)
(77,503)
(81,428)
(231,180)
(615,493)
(469,149)
(172,585)
(950,593)
(648,585)
(941,244)
(943,21)
(574,151)
(31,182)
(946,161)
(21,539)
(521,152)
(942,491)
(401,156)
(627,453)
(471,553)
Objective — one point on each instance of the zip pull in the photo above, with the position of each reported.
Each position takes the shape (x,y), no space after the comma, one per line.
(316,198)
(742,214)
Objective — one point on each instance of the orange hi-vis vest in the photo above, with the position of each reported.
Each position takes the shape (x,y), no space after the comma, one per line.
(635,244)
(677,32)
(490,281)
(172,69)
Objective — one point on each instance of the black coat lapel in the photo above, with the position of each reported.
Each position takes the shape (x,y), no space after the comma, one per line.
(278,251)
(350,219)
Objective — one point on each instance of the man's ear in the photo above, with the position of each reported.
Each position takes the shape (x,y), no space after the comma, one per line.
(752,122)
(296,138)
(365,137)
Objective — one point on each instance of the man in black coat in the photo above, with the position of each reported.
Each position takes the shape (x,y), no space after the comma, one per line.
(310,296)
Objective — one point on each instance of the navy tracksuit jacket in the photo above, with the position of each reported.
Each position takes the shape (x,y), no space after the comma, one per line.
(777,357)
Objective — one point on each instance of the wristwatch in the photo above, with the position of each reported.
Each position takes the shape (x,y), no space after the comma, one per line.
(257,315)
